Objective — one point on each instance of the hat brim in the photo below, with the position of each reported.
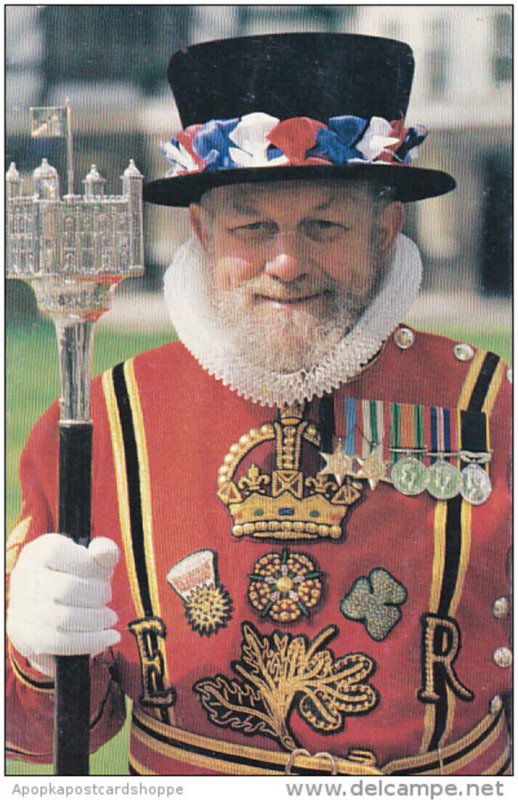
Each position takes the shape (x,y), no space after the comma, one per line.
(409,183)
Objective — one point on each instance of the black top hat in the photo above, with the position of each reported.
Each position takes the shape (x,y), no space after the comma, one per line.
(312,99)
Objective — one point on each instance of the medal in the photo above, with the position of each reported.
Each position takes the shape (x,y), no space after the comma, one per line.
(475,484)
(372,469)
(444,480)
(409,476)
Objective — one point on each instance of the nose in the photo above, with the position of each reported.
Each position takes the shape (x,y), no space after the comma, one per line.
(286,259)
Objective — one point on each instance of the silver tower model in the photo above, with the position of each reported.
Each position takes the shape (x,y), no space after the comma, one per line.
(73,250)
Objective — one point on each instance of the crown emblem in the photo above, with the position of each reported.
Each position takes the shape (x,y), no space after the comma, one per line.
(284,503)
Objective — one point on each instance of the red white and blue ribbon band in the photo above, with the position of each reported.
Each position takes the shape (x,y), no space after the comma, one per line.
(260,140)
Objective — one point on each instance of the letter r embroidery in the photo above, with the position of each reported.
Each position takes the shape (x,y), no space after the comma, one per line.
(441,646)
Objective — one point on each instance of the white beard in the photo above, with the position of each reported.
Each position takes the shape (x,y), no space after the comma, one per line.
(242,355)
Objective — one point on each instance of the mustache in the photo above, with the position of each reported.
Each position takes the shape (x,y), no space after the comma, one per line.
(293,290)
(354,296)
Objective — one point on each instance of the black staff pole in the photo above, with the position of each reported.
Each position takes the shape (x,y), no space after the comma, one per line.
(72,709)
(72,250)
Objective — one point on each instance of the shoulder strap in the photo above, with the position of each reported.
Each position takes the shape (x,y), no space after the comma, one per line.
(130,455)
(452,531)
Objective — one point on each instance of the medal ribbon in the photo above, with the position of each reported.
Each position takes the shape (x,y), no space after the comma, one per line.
(350,426)
(395,432)
(372,419)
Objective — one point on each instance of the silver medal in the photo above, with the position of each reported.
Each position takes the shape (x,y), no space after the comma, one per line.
(409,475)
(444,480)
(476,484)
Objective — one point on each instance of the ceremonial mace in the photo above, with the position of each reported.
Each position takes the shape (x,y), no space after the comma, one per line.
(73,250)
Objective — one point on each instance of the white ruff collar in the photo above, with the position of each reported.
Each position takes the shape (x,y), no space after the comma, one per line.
(193,319)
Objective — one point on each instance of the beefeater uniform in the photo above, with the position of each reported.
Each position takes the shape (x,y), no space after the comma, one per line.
(284,606)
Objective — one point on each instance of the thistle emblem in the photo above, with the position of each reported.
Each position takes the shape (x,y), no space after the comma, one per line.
(208,606)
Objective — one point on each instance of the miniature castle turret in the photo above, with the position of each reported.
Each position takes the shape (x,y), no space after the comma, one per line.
(93,236)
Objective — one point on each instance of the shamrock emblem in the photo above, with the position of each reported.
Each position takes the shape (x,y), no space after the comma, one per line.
(374,601)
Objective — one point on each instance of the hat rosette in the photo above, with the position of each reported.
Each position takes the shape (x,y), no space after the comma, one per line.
(294,107)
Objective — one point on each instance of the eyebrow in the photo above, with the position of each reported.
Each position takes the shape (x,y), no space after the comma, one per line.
(325,205)
(243,209)
(250,208)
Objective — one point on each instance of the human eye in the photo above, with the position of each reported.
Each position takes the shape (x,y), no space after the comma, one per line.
(323,230)
(257,230)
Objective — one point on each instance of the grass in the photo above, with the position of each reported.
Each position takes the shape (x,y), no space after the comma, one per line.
(32,384)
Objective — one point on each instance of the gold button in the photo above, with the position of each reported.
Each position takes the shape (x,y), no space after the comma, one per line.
(463,352)
(501,607)
(404,338)
(284,584)
(503,657)
(496,705)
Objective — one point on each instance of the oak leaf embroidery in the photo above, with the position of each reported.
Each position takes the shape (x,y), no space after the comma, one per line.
(280,673)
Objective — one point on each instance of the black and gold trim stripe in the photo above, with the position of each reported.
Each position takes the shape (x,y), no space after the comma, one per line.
(482,382)
(13,751)
(491,365)
(502,765)
(134,498)
(134,492)
(454,756)
(45,685)
(229,758)
(453,525)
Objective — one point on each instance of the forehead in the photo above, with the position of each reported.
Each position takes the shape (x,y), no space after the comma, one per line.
(303,196)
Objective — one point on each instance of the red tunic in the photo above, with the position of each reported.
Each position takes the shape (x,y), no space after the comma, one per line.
(398,676)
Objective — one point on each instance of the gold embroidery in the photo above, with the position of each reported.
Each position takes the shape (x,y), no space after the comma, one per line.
(150,634)
(236,759)
(280,672)
(283,586)
(208,609)
(441,645)
(286,504)
(208,606)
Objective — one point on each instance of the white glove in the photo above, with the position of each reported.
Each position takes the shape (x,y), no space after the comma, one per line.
(59,593)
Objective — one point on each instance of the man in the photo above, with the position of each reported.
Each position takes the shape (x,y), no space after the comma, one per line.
(311,500)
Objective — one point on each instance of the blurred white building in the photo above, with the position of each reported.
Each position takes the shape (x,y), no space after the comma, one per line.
(112,60)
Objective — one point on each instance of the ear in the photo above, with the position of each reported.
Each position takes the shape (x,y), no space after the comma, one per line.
(199,222)
(391,223)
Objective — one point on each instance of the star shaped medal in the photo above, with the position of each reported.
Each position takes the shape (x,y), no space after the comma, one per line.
(338,463)
(372,468)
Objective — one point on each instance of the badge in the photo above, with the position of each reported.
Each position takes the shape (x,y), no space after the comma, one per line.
(375,601)
(285,586)
(444,481)
(208,606)
(476,484)
(409,476)
(372,469)
(284,501)
(280,675)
